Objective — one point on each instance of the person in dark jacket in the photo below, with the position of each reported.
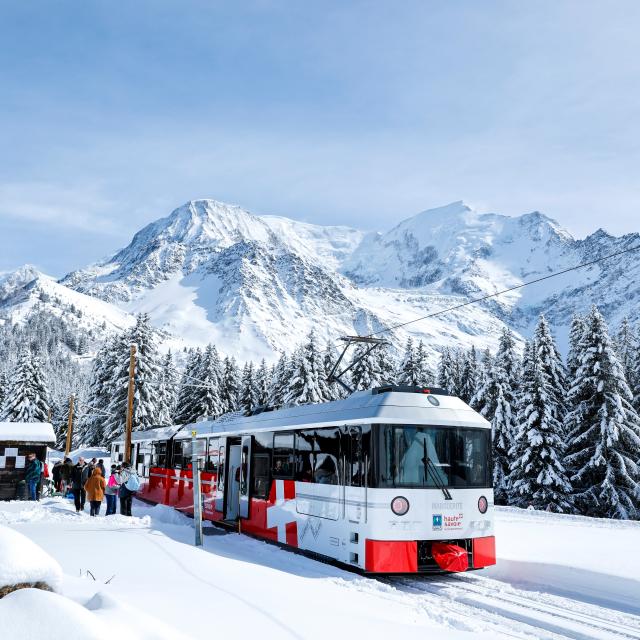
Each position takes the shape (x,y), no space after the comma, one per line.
(67,475)
(56,475)
(126,495)
(32,475)
(79,476)
(100,466)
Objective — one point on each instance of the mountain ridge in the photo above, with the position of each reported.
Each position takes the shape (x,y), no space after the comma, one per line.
(210,271)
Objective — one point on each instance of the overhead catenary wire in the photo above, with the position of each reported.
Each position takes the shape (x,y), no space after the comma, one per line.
(499,293)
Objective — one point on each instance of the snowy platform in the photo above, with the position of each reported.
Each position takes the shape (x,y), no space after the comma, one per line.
(557,577)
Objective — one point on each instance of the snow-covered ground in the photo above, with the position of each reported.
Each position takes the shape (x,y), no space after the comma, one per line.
(557,576)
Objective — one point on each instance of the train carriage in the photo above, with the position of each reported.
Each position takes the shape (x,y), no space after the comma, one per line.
(390,480)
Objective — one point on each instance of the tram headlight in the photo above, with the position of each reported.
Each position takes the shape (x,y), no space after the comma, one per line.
(482,504)
(400,505)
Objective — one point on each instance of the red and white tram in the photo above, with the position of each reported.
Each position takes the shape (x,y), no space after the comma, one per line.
(391,480)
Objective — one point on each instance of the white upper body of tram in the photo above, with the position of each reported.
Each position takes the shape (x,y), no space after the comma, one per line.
(391,480)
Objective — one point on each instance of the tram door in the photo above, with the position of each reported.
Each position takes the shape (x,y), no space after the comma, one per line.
(353,465)
(233,481)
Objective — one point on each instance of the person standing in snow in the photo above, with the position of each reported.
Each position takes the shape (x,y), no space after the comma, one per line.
(79,476)
(100,466)
(56,474)
(32,475)
(95,487)
(111,492)
(66,474)
(129,485)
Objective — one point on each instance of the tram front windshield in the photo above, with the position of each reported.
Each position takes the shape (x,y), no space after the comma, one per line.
(435,456)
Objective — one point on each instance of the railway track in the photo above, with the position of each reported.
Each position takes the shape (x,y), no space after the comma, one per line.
(496,606)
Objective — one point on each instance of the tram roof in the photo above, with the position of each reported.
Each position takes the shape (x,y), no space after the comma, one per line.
(362,407)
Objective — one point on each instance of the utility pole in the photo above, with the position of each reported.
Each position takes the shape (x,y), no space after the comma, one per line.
(197,497)
(67,448)
(132,373)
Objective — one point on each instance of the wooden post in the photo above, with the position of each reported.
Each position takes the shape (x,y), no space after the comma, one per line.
(132,373)
(67,448)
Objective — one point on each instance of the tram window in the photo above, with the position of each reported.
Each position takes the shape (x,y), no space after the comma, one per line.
(159,454)
(177,454)
(260,466)
(327,454)
(456,457)
(283,455)
(304,456)
(354,459)
(211,460)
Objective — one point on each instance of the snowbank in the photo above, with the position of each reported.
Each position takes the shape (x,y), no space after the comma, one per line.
(88,453)
(26,432)
(27,613)
(24,562)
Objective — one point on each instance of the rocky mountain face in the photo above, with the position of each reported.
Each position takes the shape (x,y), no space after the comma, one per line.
(255,285)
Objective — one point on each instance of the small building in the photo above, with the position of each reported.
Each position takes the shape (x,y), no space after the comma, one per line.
(17,439)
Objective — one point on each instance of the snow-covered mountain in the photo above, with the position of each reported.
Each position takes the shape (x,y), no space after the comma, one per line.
(256,284)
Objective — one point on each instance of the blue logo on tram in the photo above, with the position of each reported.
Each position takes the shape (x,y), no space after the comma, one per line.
(437,521)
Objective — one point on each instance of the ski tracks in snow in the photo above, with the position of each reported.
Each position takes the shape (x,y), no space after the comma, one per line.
(494,606)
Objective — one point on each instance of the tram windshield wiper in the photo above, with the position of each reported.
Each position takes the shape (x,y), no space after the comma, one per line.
(429,466)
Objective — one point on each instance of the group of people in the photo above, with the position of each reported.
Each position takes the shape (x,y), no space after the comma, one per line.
(88,481)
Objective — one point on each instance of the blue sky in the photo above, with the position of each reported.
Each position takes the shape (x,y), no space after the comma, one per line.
(360,113)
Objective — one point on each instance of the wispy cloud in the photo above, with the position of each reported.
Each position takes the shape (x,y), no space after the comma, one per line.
(76,207)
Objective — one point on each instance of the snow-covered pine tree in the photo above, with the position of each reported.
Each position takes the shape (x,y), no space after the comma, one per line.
(4,388)
(423,373)
(207,396)
(329,358)
(92,429)
(147,380)
(167,390)
(469,375)
(280,381)
(386,364)
(263,383)
(27,398)
(248,389)
(481,400)
(625,346)
(576,332)
(366,373)
(634,383)
(186,408)
(308,383)
(604,430)
(230,389)
(446,377)
(537,476)
(408,371)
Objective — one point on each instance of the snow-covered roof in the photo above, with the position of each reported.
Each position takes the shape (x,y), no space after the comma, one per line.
(26,432)
(160,433)
(363,407)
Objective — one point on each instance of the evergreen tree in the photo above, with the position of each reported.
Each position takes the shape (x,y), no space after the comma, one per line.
(280,382)
(604,429)
(249,389)
(308,383)
(366,373)
(186,408)
(575,337)
(263,383)
(423,374)
(447,378)
(167,390)
(230,390)
(27,397)
(386,364)
(408,371)
(469,375)
(537,475)
(4,388)
(147,381)
(207,397)
(625,347)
